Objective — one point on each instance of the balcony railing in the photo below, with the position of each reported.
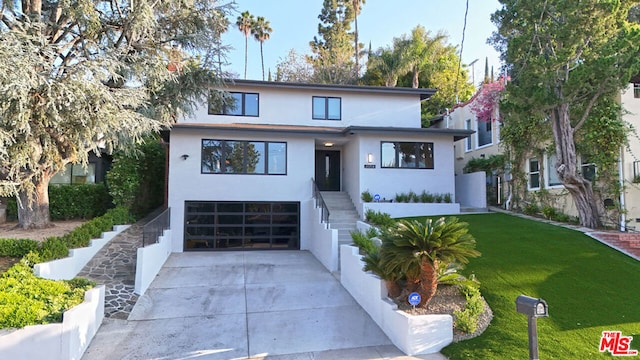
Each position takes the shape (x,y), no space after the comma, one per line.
(152,231)
(320,202)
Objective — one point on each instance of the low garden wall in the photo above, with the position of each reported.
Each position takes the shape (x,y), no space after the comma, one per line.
(421,334)
(62,341)
(69,267)
(321,241)
(150,260)
(398,210)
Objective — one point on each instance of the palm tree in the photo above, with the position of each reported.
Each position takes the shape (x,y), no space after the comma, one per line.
(414,246)
(244,23)
(357,7)
(389,63)
(420,52)
(373,262)
(262,32)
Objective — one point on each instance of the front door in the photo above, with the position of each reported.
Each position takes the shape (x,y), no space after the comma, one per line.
(328,170)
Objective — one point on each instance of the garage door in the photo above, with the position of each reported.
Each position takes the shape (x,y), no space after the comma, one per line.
(241,225)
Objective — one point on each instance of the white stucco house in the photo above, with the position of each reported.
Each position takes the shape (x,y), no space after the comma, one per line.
(243,176)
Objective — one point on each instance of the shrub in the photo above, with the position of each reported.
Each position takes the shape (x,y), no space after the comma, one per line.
(53,248)
(378,218)
(366,196)
(28,300)
(549,212)
(531,209)
(17,247)
(467,319)
(426,197)
(363,241)
(448,198)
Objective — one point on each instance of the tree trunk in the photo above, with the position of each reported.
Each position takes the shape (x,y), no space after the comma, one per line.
(428,281)
(356,45)
(33,211)
(246,55)
(262,60)
(393,289)
(567,165)
(416,81)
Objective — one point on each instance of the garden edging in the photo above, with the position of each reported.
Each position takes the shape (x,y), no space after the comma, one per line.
(413,334)
(61,341)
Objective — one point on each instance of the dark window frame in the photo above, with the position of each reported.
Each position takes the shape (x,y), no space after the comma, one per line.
(636,90)
(225,110)
(533,173)
(484,134)
(245,143)
(429,165)
(326,108)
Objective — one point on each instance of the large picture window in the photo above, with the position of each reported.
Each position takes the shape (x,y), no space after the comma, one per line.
(243,104)
(484,133)
(409,155)
(76,174)
(243,157)
(326,108)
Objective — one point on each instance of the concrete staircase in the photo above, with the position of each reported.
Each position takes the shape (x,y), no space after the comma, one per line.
(342,214)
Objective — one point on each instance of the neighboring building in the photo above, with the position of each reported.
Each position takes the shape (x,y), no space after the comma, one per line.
(94,172)
(538,168)
(243,176)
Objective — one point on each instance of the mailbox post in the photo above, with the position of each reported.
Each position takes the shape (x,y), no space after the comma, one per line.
(533,308)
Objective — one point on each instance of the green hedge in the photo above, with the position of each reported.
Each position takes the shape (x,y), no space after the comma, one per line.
(17,247)
(26,299)
(82,201)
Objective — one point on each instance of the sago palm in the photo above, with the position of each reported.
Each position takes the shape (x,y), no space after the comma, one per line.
(373,262)
(415,245)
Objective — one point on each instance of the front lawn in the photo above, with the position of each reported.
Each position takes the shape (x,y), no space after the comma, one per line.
(589,288)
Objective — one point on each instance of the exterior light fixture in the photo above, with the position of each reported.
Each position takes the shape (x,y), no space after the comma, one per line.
(328,144)
(369,158)
(185,157)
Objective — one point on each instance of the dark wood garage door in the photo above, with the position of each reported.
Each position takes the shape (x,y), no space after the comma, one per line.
(241,225)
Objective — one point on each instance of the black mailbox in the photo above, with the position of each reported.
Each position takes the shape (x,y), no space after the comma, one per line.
(531,306)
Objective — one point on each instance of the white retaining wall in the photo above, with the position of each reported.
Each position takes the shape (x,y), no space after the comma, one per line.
(399,210)
(150,260)
(69,267)
(422,334)
(321,241)
(63,341)
(471,189)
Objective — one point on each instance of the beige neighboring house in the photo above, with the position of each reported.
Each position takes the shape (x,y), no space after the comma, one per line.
(539,169)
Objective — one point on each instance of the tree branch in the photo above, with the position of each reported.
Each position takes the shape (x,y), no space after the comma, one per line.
(588,108)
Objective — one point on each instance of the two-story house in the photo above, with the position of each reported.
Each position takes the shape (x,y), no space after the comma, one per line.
(243,176)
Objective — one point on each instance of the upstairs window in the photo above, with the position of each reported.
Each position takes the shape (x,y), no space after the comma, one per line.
(467,125)
(484,133)
(326,108)
(407,155)
(243,104)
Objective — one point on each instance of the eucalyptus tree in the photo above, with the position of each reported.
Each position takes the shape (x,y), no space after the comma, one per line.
(261,32)
(565,59)
(245,23)
(85,75)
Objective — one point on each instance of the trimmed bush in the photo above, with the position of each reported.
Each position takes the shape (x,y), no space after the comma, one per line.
(467,320)
(379,218)
(17,247)
(363,241)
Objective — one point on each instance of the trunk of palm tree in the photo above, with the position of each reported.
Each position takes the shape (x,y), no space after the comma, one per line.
(246,54)
(262,60)
(393,289)
(356,45)
(416,81)
(428,281)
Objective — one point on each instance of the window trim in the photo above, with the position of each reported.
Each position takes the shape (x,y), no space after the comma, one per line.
(245,142)
(326,108)
(416,152)
(243,110)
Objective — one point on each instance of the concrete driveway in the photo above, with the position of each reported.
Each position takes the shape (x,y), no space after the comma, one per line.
(235,305)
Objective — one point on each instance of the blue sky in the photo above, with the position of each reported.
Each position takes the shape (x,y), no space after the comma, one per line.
(295,23)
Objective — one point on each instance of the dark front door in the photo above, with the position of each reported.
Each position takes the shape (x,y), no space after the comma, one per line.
(328,170)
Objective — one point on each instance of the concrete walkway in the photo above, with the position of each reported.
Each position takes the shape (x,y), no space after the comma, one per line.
(238,305)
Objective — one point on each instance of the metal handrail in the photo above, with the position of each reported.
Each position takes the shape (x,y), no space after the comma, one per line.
(320,202)
(152,231)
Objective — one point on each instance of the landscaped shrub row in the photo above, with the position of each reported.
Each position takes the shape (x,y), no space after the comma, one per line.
(66,202)
(411,196)
(378,218)
(26,299)
(17,247)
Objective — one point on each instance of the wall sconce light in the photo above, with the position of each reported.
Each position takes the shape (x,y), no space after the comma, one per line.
(369,158)
(185,157)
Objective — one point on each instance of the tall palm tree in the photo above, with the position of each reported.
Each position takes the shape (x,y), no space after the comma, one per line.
(261,32)
(389,62)
(357,7)
(420,52)
(411,246)
(244,23)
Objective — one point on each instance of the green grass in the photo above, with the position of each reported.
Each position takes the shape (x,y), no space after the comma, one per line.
(589,288)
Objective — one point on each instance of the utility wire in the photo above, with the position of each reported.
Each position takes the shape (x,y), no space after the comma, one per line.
(464,29)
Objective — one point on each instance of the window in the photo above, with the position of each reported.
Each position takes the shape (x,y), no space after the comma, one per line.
(588,169)
(484,133)
(467,125)
(408,155)
(243,104)
(76,174)
(636,90)
(243,157)
(534,173)
(326,108)
(552,174)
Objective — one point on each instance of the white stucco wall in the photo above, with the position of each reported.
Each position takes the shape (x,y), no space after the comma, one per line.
(631,153)
(471,189)
(149,261)
(293,107)
(319,239)
(186,183)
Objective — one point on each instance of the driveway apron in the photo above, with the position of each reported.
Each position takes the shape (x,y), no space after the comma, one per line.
(235,305)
